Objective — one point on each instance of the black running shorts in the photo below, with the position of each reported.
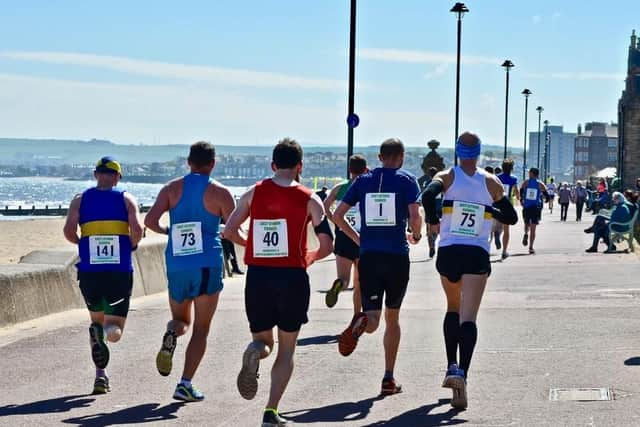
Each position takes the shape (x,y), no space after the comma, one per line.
(383,274)
(276,296)
(345,247)
(107,291)
(455,260)
(531,215)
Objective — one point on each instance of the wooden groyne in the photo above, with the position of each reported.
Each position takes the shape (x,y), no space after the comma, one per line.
(44,211)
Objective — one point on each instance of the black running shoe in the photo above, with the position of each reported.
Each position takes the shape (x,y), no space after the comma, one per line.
(272,418)
(101,385)
(164,359)
(99,349)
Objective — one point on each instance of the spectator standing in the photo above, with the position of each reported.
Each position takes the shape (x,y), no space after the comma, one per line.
(579,197)
(564,198)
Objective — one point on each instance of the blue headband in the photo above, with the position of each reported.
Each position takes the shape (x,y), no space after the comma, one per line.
(465,152)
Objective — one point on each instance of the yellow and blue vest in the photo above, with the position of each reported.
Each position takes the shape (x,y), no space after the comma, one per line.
(104,226)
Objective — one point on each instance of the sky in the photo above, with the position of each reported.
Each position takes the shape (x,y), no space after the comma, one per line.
(252,72)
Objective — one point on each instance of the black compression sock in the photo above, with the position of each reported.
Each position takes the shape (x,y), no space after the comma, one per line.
(451,329)
(468,338)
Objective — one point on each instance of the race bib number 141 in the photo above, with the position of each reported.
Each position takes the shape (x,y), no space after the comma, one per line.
(104,250)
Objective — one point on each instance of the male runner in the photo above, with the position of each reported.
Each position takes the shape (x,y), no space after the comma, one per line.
(346,250)
(277,285)
(196,204)
(386,196)
(510,184)
(109,230)
(532,191)
(472,197)
(551,191)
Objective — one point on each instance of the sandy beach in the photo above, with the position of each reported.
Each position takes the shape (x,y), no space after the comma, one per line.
(23,236)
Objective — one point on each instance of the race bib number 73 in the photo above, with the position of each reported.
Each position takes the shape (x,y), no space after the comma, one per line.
(186,238)
(270,238)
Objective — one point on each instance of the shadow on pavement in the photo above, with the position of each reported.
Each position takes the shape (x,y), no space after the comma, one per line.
(146,413)
(420,417)
(632,361)
(49,406)
(320,339)
(345,411)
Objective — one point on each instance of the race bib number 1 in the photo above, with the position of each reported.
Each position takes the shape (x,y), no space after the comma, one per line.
(380,209)
(532,194)
(186,238)
(467,219)
(104,250)
(270,238)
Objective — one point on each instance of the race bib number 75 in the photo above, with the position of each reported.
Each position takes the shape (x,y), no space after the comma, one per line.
(467,219)
(270,238)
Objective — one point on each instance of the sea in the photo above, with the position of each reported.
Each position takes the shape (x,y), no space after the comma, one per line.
(54,192)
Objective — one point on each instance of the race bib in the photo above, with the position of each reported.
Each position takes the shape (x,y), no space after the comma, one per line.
(507,187)
(380,209)
(532,194)
(353,216)
(467,219)
(104,250)
(186,238)
(270,238)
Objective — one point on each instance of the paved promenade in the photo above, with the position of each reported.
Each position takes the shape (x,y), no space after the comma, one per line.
(559,319)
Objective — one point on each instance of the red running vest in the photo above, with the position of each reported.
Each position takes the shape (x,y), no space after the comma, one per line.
(273,202)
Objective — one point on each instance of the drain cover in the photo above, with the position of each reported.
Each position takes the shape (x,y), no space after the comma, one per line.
(579,394)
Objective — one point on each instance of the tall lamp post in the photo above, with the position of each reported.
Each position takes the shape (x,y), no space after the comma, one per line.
(546,150)
(539,110)
(526,94)
(460,9)
(352,118)
(507,66)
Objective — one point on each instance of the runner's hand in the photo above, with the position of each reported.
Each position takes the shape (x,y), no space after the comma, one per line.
(311,257)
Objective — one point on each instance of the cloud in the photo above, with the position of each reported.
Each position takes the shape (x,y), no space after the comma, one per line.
(422,57)
(440,70)
(556,16)
(576,75)
(536,19)
(487,100)
(228,76)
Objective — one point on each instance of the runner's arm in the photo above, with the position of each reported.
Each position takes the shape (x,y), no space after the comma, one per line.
(415,222)
(227,203)
(503,210)
(328,202)
(133,217)
(70,229)
(434,188)
(237,218)
(161,205)
(322,229)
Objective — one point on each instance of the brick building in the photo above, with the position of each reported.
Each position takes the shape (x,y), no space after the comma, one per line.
(596,148)
(629,118)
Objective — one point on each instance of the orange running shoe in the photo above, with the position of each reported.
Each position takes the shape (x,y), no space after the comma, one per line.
(349,338)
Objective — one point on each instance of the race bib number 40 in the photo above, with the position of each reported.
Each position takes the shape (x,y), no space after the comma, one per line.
(532,194)
(270,238)
(104,250)
(467,219)
(353,217)
(380,209)
(186,238)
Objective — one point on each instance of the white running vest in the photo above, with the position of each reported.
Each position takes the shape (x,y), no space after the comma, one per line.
(464,221)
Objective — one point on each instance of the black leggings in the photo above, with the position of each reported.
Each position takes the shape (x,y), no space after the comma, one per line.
(564,207)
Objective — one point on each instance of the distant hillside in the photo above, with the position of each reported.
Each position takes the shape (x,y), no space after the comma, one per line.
(15,151)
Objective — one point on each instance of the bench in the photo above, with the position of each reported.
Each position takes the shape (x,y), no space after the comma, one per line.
(622,235)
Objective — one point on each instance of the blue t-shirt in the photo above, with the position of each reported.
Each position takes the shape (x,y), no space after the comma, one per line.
(509,182)
(382,230)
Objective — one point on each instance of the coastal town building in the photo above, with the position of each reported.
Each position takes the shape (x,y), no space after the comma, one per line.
(561,150)
(596,148)
(629,118)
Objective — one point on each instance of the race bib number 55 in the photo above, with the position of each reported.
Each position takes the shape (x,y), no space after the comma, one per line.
(270,238)
(186,238)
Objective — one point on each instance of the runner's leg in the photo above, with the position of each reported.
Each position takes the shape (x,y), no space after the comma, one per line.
(472,290)
(204,307)
(451,323)
(357,296)
(282,367)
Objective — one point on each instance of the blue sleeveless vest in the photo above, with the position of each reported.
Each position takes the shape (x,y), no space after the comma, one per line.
(532,185)
(194,237)
(104,224)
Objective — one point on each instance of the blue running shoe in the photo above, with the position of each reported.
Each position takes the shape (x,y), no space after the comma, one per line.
(454,377)
(188,393)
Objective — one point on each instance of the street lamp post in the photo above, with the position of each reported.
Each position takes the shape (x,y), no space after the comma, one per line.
(507,64)
(460,9)
(526,94)
(546,150)
(539,110)
(352,74)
